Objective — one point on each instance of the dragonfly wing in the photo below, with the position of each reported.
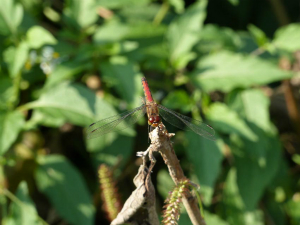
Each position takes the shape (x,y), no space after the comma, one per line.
(186,123)
(115,123)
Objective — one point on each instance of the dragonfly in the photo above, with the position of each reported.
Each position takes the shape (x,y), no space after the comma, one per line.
(155,113)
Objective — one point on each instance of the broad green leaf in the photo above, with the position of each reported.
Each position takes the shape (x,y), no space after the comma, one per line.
(213,219)
(293,209)
(178,5)
(124,75)
(121,3)
(38,36)
(206,157)
(40,118)
(233,206)
(73,103)
(23,211)
(287,38)
(178,100)
(110,32)
(11,15)
(226,71)
(83,13)
(65,188)
(16,57)
(258,34)
(253,105)
(257,164)
(65,71)
(228,121)
(6,91)
(214,38)
(11,124)
(184,32)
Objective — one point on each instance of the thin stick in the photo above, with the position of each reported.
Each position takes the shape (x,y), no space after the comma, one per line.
(160,141)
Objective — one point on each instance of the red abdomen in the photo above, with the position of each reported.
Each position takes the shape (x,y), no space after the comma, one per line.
(147,91)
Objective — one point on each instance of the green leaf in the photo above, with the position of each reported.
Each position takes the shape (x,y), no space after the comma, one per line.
(38,36)
(258,34)
(65,71)
(206,157)
(253,105)
(293,209)
(178,100)
(23,211)
(165,183)
(233,209)
(178,5)
(257,163)
(6,92)
(228,121)
(234,2)
(83,13)
(215,38)
(65,188)
(124,75)
(121,3)
(110,32)
(16,57)
(11,124)
(287,38)
(110,148)
(213,219)
(11,15)
(226,71)
(73,103)
(184,32)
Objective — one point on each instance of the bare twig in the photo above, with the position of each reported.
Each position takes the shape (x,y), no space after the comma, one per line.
(160,141)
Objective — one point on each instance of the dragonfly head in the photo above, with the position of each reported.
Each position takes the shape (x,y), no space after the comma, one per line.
(154,121)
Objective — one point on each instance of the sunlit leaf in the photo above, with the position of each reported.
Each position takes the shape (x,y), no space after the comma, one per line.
(38,36)
(16,57)
(83,13)
(23,211)
(11,124)
(6,91)
(184,32)
(73,103)
(287,37)
(65,189)
(228,121)
(225,71)
(11,14)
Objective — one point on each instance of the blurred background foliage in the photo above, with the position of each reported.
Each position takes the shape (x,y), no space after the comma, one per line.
(66,64)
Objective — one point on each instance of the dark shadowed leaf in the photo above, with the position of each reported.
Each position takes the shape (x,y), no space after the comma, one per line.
(65,188)
(206,157)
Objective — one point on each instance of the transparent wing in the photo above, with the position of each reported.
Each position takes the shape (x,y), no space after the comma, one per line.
(115,123)
(186,123)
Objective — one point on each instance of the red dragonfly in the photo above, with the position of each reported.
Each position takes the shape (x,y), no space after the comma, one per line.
(154,111)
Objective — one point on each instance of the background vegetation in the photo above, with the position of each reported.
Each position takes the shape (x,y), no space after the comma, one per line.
(66,64)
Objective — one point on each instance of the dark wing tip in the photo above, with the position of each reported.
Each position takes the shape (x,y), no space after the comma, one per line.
(91,124)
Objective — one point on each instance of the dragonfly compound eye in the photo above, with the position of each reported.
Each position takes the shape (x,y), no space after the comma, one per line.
(156,119)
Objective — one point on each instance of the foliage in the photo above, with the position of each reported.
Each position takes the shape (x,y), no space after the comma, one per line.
(65,65)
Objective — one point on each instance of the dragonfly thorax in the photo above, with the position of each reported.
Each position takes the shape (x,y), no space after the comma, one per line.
(154,121)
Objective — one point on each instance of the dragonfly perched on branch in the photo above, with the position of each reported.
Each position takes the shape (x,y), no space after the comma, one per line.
(154,112)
